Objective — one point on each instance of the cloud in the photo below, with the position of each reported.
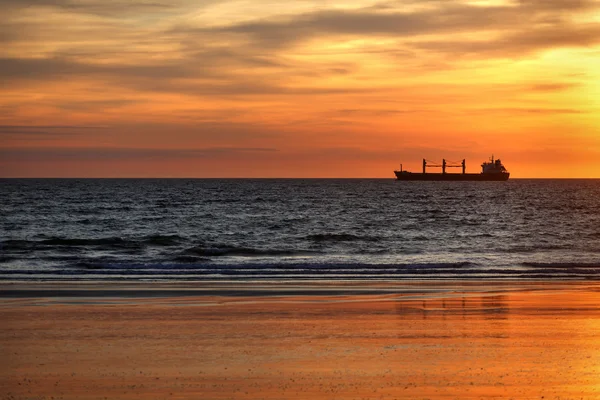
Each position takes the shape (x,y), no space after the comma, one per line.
(551,87)
(64,68)
(42,154)
(526,111)
(99,105)
(107,8)
(526,25)
(256,56)
(377,112)
(44,132)
(27,127)
(285,31)
(184,78)
(557,5)
(517,44)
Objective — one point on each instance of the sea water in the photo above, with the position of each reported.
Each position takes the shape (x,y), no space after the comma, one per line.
(297,230)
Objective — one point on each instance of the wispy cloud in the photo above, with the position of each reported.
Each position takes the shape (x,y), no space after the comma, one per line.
(108,8)
(526,111)
(552,87)
(44,132)
(120,153)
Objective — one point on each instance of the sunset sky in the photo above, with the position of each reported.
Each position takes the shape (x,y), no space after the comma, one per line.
(260,88)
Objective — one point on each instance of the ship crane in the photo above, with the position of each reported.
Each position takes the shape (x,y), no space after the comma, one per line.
(445,164)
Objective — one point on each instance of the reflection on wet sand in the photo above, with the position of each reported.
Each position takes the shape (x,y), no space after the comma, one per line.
(453,344)
(463,305)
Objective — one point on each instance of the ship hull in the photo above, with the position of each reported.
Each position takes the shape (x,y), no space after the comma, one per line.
(412,176)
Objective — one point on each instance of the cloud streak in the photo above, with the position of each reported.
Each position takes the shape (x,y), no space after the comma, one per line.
(41,154)
(45,132)
(528,26)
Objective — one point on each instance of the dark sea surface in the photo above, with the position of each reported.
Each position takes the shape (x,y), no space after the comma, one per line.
(297,230)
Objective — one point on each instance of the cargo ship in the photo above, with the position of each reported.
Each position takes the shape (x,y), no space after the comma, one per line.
(491,170)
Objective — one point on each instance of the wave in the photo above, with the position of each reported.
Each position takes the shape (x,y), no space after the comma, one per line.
(15,245)
(299,267)
(107,242)
(533,248)
(332,266)
(226,250)
(76,242)
(163,240)
(562,265)
(190,259)
(339,237)
(129,267)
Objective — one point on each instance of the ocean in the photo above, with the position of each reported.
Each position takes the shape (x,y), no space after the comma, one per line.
(297,230)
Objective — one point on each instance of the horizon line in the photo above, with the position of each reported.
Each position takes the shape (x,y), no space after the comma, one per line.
(263,178)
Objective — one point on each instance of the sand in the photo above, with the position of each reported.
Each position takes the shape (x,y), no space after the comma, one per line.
(413,341)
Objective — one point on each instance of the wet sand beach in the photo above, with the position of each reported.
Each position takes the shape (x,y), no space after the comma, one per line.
(423,340)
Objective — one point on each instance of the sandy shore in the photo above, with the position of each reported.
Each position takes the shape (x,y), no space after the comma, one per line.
(416,341)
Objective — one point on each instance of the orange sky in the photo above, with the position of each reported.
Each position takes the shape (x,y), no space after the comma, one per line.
(254,88)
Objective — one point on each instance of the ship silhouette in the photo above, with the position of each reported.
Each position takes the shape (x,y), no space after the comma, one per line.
(491,170)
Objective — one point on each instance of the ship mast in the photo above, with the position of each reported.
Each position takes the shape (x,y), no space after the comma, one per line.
(445,164)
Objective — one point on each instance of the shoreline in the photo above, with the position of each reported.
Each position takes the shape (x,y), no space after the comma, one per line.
(90,292)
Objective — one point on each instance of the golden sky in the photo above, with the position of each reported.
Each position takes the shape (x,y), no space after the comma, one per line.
(261,88)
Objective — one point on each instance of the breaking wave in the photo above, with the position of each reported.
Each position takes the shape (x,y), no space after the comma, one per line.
(205,269)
